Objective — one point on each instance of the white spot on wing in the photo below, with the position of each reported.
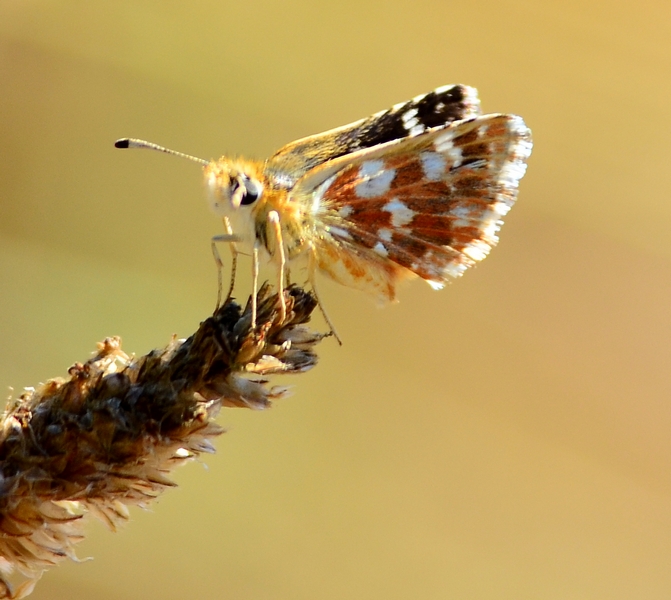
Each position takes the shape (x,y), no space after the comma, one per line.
(380,249)
(345,211)
(462,211)
(340,232)
(409,114)
(444,139)
(445,145)
(433,165)
(416,130)
(411,122)
(375,179)
(455,155)
(384,234)
(400,213)
(370,168)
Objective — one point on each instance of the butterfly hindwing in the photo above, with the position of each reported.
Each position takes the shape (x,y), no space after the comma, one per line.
(431,205)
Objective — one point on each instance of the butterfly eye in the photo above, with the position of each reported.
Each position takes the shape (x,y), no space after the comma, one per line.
(250,192)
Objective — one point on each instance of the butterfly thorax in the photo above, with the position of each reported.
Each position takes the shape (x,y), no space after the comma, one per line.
(243,194)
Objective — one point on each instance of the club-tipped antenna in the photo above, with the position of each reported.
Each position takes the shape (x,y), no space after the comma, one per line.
(135,143)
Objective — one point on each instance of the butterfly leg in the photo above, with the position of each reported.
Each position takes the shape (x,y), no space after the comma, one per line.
(220,268)
(234,260)
(230,238)
(274,220)
(312,269)
(255,282)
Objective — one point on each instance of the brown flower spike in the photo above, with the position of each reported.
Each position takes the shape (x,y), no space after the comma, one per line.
(107,436)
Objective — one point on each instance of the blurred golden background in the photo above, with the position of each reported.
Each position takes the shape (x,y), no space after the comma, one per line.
(507,438)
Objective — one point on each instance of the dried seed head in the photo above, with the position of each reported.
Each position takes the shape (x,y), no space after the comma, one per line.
(108,435)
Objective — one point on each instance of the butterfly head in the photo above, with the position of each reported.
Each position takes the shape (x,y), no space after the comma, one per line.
(232,186)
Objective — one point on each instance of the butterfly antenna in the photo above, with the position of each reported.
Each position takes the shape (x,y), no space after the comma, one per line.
(135,143)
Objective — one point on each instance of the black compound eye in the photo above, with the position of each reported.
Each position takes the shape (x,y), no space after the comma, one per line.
(252,190)
(250,197)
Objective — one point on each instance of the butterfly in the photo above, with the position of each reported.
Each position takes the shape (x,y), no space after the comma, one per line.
(418,190)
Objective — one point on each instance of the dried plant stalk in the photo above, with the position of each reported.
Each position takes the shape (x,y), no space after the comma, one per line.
(108,435)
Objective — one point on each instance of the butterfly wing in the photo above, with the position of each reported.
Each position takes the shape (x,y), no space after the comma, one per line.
(429,206)
(408,119)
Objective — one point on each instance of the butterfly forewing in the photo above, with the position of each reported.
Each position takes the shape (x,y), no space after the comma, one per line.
(430,206)
(408,119)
